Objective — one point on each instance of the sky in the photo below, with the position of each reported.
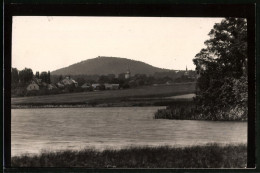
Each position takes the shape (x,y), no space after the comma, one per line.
(47,43)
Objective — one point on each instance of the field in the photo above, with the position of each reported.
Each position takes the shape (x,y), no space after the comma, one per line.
(141,95)
(209,156)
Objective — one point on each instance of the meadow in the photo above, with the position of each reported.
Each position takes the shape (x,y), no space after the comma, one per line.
(209,156)
(135,96)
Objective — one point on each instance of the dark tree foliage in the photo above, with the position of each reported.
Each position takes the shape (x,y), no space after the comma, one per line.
(44,76)
(222,69)
(103,79)
(60,77)
(15,77)
(49,77)
(37,75)
(26,75)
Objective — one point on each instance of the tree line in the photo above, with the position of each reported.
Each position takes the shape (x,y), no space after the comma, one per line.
(25,76)
(134,81)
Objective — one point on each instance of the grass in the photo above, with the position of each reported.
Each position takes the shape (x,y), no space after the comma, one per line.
(208,156)
(109,96)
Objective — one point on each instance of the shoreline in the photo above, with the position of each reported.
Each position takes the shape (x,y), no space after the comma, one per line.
(83,105)
(78,106)
(102,103)
(176,146)
(225,156)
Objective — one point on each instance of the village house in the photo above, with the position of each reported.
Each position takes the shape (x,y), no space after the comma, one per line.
(37,81)
(96,86)
(33,86)
(111,86)
(69,81)
(60,85)
(115,86)
(86,86)
(108,86)
(51,87)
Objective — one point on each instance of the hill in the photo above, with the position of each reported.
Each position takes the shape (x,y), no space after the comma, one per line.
(108,65)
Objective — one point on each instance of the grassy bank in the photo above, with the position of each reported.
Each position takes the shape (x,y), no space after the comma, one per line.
(209,156)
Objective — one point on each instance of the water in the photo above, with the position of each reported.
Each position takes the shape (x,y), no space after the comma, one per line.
(185,96)
(36,130)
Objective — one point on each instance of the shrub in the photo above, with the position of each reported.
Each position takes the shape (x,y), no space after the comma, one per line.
(180,110)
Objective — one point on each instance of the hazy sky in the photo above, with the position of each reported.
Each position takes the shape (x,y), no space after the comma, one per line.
(50,43)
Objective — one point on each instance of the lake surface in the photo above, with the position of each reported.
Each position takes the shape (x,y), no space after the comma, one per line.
(36,130)
(185,96)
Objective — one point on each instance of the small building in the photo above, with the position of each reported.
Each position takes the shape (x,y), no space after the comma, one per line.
(111,86)
(108,86)
(69,81)
(74,83)
(51,87)
(96,86)
(37,80)
(59,85)
(115,86)
(86,86)
(33,87)
(66,81)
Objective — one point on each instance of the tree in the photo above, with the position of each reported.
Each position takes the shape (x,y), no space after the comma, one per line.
(80,80)
(60,78)
(14,76)
(25,75)
(44,76)
(37,75)
(49,77)
(222,66)
(103,79)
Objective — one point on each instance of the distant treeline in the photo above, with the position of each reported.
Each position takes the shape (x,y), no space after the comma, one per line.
(135,80)
(25,76)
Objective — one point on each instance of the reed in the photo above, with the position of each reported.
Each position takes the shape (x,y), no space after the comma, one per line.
(208,156)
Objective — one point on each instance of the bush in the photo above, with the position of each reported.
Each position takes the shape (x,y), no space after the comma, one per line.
(78,89)
(31,93)
(181,110)
(20,92)
(88,89)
